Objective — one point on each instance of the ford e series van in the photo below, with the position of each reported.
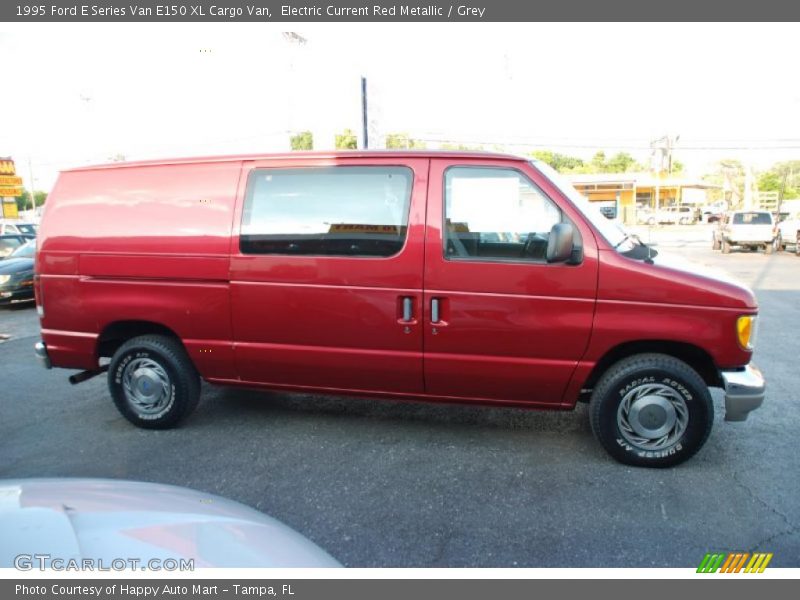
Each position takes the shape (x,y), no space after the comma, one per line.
(446,277)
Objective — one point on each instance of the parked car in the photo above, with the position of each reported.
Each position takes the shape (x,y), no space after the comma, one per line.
(673,215)
(449,276)
(16,275)
(713,212)
(58,523)
(787,232)
(18,227)
(10,242)
(751,229)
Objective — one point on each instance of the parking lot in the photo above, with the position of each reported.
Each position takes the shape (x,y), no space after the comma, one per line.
(389,484)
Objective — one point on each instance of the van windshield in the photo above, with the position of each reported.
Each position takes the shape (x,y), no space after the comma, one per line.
(611,231)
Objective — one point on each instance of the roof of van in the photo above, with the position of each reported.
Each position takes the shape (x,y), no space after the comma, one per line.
(318,155)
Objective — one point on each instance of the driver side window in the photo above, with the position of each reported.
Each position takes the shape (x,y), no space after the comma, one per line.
(496,214)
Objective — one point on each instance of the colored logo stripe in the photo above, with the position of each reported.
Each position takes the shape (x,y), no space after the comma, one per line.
(734,562)
(758,563)
(710,563)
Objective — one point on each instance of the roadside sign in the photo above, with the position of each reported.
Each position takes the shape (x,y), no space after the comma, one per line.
(7,167)
(10,191)
(6,180)
(10,208)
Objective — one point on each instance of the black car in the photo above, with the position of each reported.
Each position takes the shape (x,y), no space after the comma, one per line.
(11,241)
(16,275)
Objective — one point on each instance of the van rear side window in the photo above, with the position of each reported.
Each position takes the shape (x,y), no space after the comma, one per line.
(329,211)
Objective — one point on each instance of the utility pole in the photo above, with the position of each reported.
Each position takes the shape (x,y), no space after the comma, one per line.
(782,192)
(33,194)
(662,152)
(364,120)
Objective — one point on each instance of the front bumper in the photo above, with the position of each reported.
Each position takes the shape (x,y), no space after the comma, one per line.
(744,392)
(41,353)
(12,296)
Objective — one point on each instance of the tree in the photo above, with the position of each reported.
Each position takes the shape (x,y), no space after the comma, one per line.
(560,162)
(783,177)
(303,140)
(402,141)
(599,161)
(621,162)
(24,201)
(729,174)
(346,140)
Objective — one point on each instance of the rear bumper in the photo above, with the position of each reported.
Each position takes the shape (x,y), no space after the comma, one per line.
(41,353)
(744,392)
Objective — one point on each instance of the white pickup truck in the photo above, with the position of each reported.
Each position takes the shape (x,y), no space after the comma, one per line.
(750,229)
(787,232)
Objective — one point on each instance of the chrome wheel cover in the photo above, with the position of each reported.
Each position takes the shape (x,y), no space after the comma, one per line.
(652,416)
(146,385)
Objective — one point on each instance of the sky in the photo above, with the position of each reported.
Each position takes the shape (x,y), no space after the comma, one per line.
(84,93)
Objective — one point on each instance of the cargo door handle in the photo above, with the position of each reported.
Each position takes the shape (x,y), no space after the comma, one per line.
(435,317)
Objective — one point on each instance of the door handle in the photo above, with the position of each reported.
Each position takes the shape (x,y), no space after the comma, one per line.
(408,309)
(435,316)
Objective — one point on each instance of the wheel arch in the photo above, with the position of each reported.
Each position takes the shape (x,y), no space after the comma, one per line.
(695,356)
(116,333)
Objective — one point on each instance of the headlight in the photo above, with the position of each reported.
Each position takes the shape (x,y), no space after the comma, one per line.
(4,279)
(746,331)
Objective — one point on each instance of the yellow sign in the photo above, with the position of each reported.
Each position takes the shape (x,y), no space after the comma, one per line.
(12,181)
(10,192)
(10,210)
(7,167)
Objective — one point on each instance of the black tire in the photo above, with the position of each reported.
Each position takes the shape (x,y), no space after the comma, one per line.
(164,358)
(726,247)
(648,373)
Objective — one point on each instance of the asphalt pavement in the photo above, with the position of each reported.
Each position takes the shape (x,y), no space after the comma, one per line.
(388,484)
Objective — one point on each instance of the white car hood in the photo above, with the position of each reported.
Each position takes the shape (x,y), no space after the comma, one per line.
(107,520)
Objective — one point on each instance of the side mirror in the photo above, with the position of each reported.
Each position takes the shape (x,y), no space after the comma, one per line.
(560,243)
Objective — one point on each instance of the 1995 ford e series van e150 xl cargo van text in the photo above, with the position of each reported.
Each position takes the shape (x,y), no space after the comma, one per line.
(449,277)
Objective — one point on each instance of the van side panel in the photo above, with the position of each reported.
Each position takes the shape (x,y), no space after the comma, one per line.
(145,243)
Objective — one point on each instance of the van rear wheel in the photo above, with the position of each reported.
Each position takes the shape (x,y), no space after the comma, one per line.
(651,410)
(153,382)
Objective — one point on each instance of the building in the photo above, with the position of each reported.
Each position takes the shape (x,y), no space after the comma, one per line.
(621,195)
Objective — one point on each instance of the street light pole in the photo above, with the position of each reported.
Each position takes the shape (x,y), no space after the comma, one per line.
(364,120)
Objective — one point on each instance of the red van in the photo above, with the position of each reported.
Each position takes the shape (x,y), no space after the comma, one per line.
(448,277)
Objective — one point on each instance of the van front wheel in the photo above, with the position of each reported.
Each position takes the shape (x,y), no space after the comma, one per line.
(651,410)
(153,382)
